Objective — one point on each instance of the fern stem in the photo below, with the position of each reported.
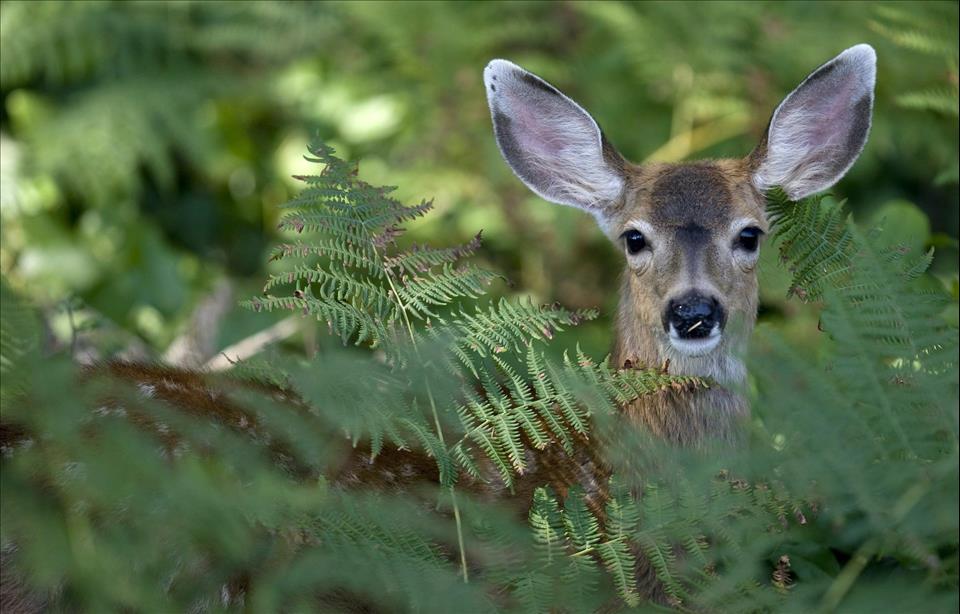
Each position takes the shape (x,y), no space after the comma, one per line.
(848,576)
(861,558)
(436,419)
(453,493)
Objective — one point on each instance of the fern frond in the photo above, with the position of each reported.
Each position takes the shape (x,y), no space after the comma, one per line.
(352,255)
(499,418)
(659,552)
(344,320)
(419,259)
(440,288)
(431,443)
(580,578)
(622,512)
(334,283)
(582,527)
(941,100)
(547,523)
(827,253)
(357,287)
(620,564)
(625,385)
(19,337)
(532,591)
(507,326)
(815,237)
(906,29)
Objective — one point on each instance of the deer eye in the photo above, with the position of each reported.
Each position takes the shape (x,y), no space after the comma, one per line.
(634,240)
(749,238)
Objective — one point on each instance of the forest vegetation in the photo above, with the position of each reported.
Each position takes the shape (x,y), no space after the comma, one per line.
(183,180)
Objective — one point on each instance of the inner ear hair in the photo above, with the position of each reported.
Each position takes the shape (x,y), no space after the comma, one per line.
(550,142)
(818,131)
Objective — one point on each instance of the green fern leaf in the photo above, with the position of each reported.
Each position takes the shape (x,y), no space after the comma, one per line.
(582,527)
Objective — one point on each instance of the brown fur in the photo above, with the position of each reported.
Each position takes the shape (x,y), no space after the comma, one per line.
(672,198)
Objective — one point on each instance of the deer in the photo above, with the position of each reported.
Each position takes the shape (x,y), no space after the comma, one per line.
(690,232)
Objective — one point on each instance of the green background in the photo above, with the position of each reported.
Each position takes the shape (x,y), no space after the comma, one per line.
(145,146)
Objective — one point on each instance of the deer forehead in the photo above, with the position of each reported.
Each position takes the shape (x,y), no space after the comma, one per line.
(709,195)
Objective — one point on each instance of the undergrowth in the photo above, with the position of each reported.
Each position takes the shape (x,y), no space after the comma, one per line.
(147,489)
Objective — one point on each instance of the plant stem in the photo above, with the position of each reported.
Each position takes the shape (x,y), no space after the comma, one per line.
(855,566)
(436,421)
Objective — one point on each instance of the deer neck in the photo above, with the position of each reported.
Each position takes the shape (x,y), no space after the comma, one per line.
(684,418)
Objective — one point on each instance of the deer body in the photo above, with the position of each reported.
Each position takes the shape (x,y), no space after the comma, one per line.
(690,232)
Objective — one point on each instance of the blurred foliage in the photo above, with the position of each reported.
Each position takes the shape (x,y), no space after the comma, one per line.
(145,145)
(234,493)
(144,148)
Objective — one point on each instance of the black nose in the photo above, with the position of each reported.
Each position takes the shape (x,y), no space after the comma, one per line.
(693,315)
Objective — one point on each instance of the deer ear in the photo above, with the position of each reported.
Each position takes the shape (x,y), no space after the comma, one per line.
(819,130)
(550,142)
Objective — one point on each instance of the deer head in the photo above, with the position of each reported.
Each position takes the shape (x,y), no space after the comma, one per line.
(689,232)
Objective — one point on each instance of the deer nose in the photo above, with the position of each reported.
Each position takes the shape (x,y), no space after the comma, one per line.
(693,316)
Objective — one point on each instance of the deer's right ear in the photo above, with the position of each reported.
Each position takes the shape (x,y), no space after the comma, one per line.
(819,130)
(550,142)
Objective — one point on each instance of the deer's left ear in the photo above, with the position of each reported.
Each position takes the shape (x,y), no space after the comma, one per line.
(550,142)
(819,130)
